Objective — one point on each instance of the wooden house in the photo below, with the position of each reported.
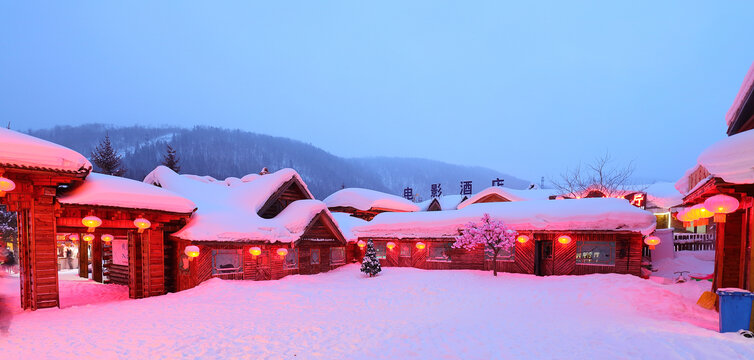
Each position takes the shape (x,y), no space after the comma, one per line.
(727,168)
(260,227)
(605,236)
(441,203)
(121,252)
(31,171)
(366,204)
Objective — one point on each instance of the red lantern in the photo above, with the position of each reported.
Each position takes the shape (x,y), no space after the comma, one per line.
(191,251)
(684,216)
(255,251)
(91,222)
(107,238)
(88,237)
(142,224)
(652,241)
(282,252)
(522,239)
(564,239)
(721,205)
(420,245)
(390,245)
(6,185)
(361,243)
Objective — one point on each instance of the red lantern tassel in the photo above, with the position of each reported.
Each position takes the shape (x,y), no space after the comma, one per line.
(719,218)
(651,247)
(703,221)
(687,224)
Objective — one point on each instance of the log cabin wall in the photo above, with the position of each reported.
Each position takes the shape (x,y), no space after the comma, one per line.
(39,249)
(146,264)
(563,262)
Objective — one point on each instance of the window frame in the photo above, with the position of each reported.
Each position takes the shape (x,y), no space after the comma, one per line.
(436,245)
(311,256)
(579,252)
(223,271)
(377,246)
(285,260)
(332,258)
(511,257)
(404,246)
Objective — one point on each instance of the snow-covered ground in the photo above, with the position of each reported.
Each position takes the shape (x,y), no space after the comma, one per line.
(402,313)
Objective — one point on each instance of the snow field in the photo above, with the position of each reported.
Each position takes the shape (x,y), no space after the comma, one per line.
(402,313)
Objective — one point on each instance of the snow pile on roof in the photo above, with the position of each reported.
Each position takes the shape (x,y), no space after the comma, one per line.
(346,223)
(582,214)
(731,159)
(106,190)
(743,93)
(21,150)
(228,210)
(365,199)
(663,195)
(510,194)
(447,202)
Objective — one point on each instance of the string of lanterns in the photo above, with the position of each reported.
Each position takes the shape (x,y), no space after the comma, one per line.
(715,207)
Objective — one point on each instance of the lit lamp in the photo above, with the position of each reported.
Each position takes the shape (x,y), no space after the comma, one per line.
(91,222)
(191,251)
(420,245)
(361,244)
(282,251)
(6,185)
(142,224)
(702,214)
(73,237)
(564,239)
(107,238)
(88,237)
(255,251)
(390,245)
(522,239)
(685,217)
(652,241)
(721,205)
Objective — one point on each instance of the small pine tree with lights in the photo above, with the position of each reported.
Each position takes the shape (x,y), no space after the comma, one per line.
(171,159)
(370,265)
(106,159)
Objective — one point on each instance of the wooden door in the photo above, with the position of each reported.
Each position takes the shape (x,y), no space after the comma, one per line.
(263,266)
(543,263)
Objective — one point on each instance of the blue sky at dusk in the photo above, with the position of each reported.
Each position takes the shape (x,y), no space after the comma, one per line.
(525,88)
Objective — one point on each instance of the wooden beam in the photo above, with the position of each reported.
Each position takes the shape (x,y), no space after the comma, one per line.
(97,259)
(83,257)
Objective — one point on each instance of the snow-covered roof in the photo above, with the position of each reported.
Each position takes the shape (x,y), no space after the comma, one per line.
(228,210)
(510,194)
(603,214)
(663,195)
(365,199)
(346,223)
(106,190)
(743,93)
(25,151)
(447,202)
(731,159)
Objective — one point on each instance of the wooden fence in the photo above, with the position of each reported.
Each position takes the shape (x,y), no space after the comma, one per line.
(693,242)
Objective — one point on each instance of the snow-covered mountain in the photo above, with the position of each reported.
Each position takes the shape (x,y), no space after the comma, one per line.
(224,152)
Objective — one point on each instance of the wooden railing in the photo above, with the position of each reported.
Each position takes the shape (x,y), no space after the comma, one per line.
(693,242)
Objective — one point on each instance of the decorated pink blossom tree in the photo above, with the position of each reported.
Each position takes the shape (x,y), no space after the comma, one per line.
(489,234)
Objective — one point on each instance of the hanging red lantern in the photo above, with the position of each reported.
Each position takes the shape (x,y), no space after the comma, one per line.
(721,205)
(652,241)
(255,251)
(522,239)
(361,243)
(107,238)
(91,222)
(6,185)
(191,251)
(420,245)
(390,245)
(282,251)
(564,239)
(684,216)
(73,237)
(142,224)
(88,237)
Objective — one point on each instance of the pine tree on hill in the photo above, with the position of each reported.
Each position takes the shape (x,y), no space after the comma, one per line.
(106,159)
(370,265)
(171,159)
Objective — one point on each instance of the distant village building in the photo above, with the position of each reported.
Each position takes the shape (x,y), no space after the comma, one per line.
(365,203)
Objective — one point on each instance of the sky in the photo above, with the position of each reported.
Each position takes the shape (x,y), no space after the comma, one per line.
(528,88)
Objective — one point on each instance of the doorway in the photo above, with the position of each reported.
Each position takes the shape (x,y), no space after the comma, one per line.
(543,257)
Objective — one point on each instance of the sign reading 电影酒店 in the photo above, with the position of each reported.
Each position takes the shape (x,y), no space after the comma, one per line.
(120,252)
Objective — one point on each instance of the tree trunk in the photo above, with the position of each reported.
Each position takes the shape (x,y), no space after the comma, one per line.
(494,262)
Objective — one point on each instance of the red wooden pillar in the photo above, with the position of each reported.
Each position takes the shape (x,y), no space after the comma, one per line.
(97,258)
(83,257)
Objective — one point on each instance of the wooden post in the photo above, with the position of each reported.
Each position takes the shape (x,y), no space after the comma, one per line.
(719,251)
(83,257)
(97,259)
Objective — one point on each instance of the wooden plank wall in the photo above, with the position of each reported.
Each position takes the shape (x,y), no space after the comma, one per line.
(627,252)
(43,254)
(146,264)
(118,274)
(730,265)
